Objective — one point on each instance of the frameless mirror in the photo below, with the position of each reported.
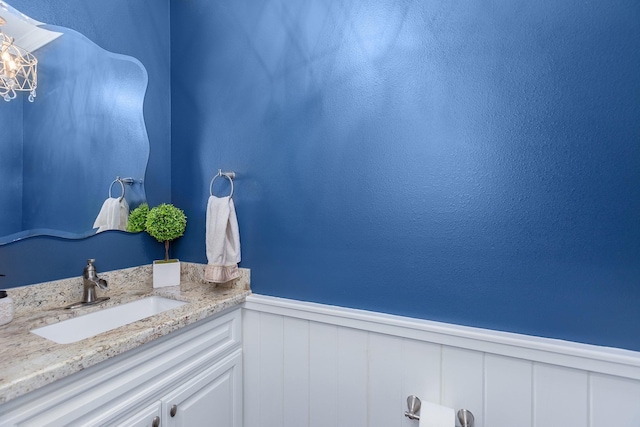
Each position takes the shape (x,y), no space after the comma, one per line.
(61,154)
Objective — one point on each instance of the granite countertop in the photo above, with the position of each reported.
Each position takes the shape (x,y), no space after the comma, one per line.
(28,361)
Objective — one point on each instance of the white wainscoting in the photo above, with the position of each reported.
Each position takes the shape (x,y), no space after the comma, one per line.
(313,365)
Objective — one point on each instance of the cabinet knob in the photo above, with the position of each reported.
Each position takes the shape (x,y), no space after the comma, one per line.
(174,409)
(155,422)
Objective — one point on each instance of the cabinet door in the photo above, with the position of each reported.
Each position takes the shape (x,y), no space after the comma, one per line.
(148,417)
(213,398)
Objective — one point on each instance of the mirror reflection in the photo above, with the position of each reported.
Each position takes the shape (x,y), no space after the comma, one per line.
(66,157)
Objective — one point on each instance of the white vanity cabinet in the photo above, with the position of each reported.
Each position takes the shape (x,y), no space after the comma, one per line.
(207,400)
(191,377)
(212,398)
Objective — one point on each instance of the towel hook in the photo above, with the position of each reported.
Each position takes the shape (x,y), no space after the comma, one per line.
(121,186)
(229,175)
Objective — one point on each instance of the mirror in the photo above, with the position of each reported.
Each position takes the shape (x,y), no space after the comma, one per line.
(60,155)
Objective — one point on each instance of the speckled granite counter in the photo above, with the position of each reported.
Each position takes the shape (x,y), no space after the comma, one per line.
(28,361)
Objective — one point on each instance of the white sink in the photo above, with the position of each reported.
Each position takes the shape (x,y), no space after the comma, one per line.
(95,323)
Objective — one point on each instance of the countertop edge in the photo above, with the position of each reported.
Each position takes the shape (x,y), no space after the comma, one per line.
(64,360)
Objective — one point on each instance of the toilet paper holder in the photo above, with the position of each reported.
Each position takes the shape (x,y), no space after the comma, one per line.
(465,417)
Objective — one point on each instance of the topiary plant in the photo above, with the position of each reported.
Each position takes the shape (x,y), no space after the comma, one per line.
(138,219)
(165,223)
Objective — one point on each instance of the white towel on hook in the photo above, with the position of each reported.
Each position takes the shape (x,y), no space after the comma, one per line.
(222,240)
(114,215)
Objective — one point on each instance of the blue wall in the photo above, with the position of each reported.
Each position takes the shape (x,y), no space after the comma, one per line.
(135,28)
(11,150)
(468,162)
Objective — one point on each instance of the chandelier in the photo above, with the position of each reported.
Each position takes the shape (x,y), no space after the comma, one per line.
(18,69)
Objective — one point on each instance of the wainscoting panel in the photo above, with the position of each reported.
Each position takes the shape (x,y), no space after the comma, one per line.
(463,381)
(312,365)
(323,375)
(507,383)
(295,392)
(353,377)
(560,396)
(251,367)
(421,372)
(615,401)
(385,376)
(271,367)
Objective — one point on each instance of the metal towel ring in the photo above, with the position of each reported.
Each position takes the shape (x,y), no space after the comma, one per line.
(228,175)
(121,186)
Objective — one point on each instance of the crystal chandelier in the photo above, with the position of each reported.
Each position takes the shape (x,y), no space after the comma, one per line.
(18,69)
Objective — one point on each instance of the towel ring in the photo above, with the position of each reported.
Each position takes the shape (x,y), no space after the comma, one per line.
(121,186)
(228,175)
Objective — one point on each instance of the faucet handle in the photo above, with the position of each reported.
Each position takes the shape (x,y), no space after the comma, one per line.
(91,274)
(102,283)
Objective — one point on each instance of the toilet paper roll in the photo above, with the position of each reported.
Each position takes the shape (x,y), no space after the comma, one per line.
(432,415)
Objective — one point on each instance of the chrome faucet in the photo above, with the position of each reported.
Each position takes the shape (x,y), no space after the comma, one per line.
(90,280)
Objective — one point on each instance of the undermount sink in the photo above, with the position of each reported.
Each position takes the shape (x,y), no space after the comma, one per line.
(89,325)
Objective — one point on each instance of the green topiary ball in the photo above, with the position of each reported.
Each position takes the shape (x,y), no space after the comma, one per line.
(138,219)
(165,222)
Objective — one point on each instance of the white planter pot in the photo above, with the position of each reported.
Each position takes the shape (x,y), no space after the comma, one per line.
(166,273)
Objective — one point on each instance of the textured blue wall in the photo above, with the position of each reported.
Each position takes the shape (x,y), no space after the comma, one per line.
(11,149)
(136,28)
(469,162)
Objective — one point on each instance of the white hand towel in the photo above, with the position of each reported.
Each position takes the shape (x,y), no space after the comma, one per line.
(113,215)
(124,214)
(223,240)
